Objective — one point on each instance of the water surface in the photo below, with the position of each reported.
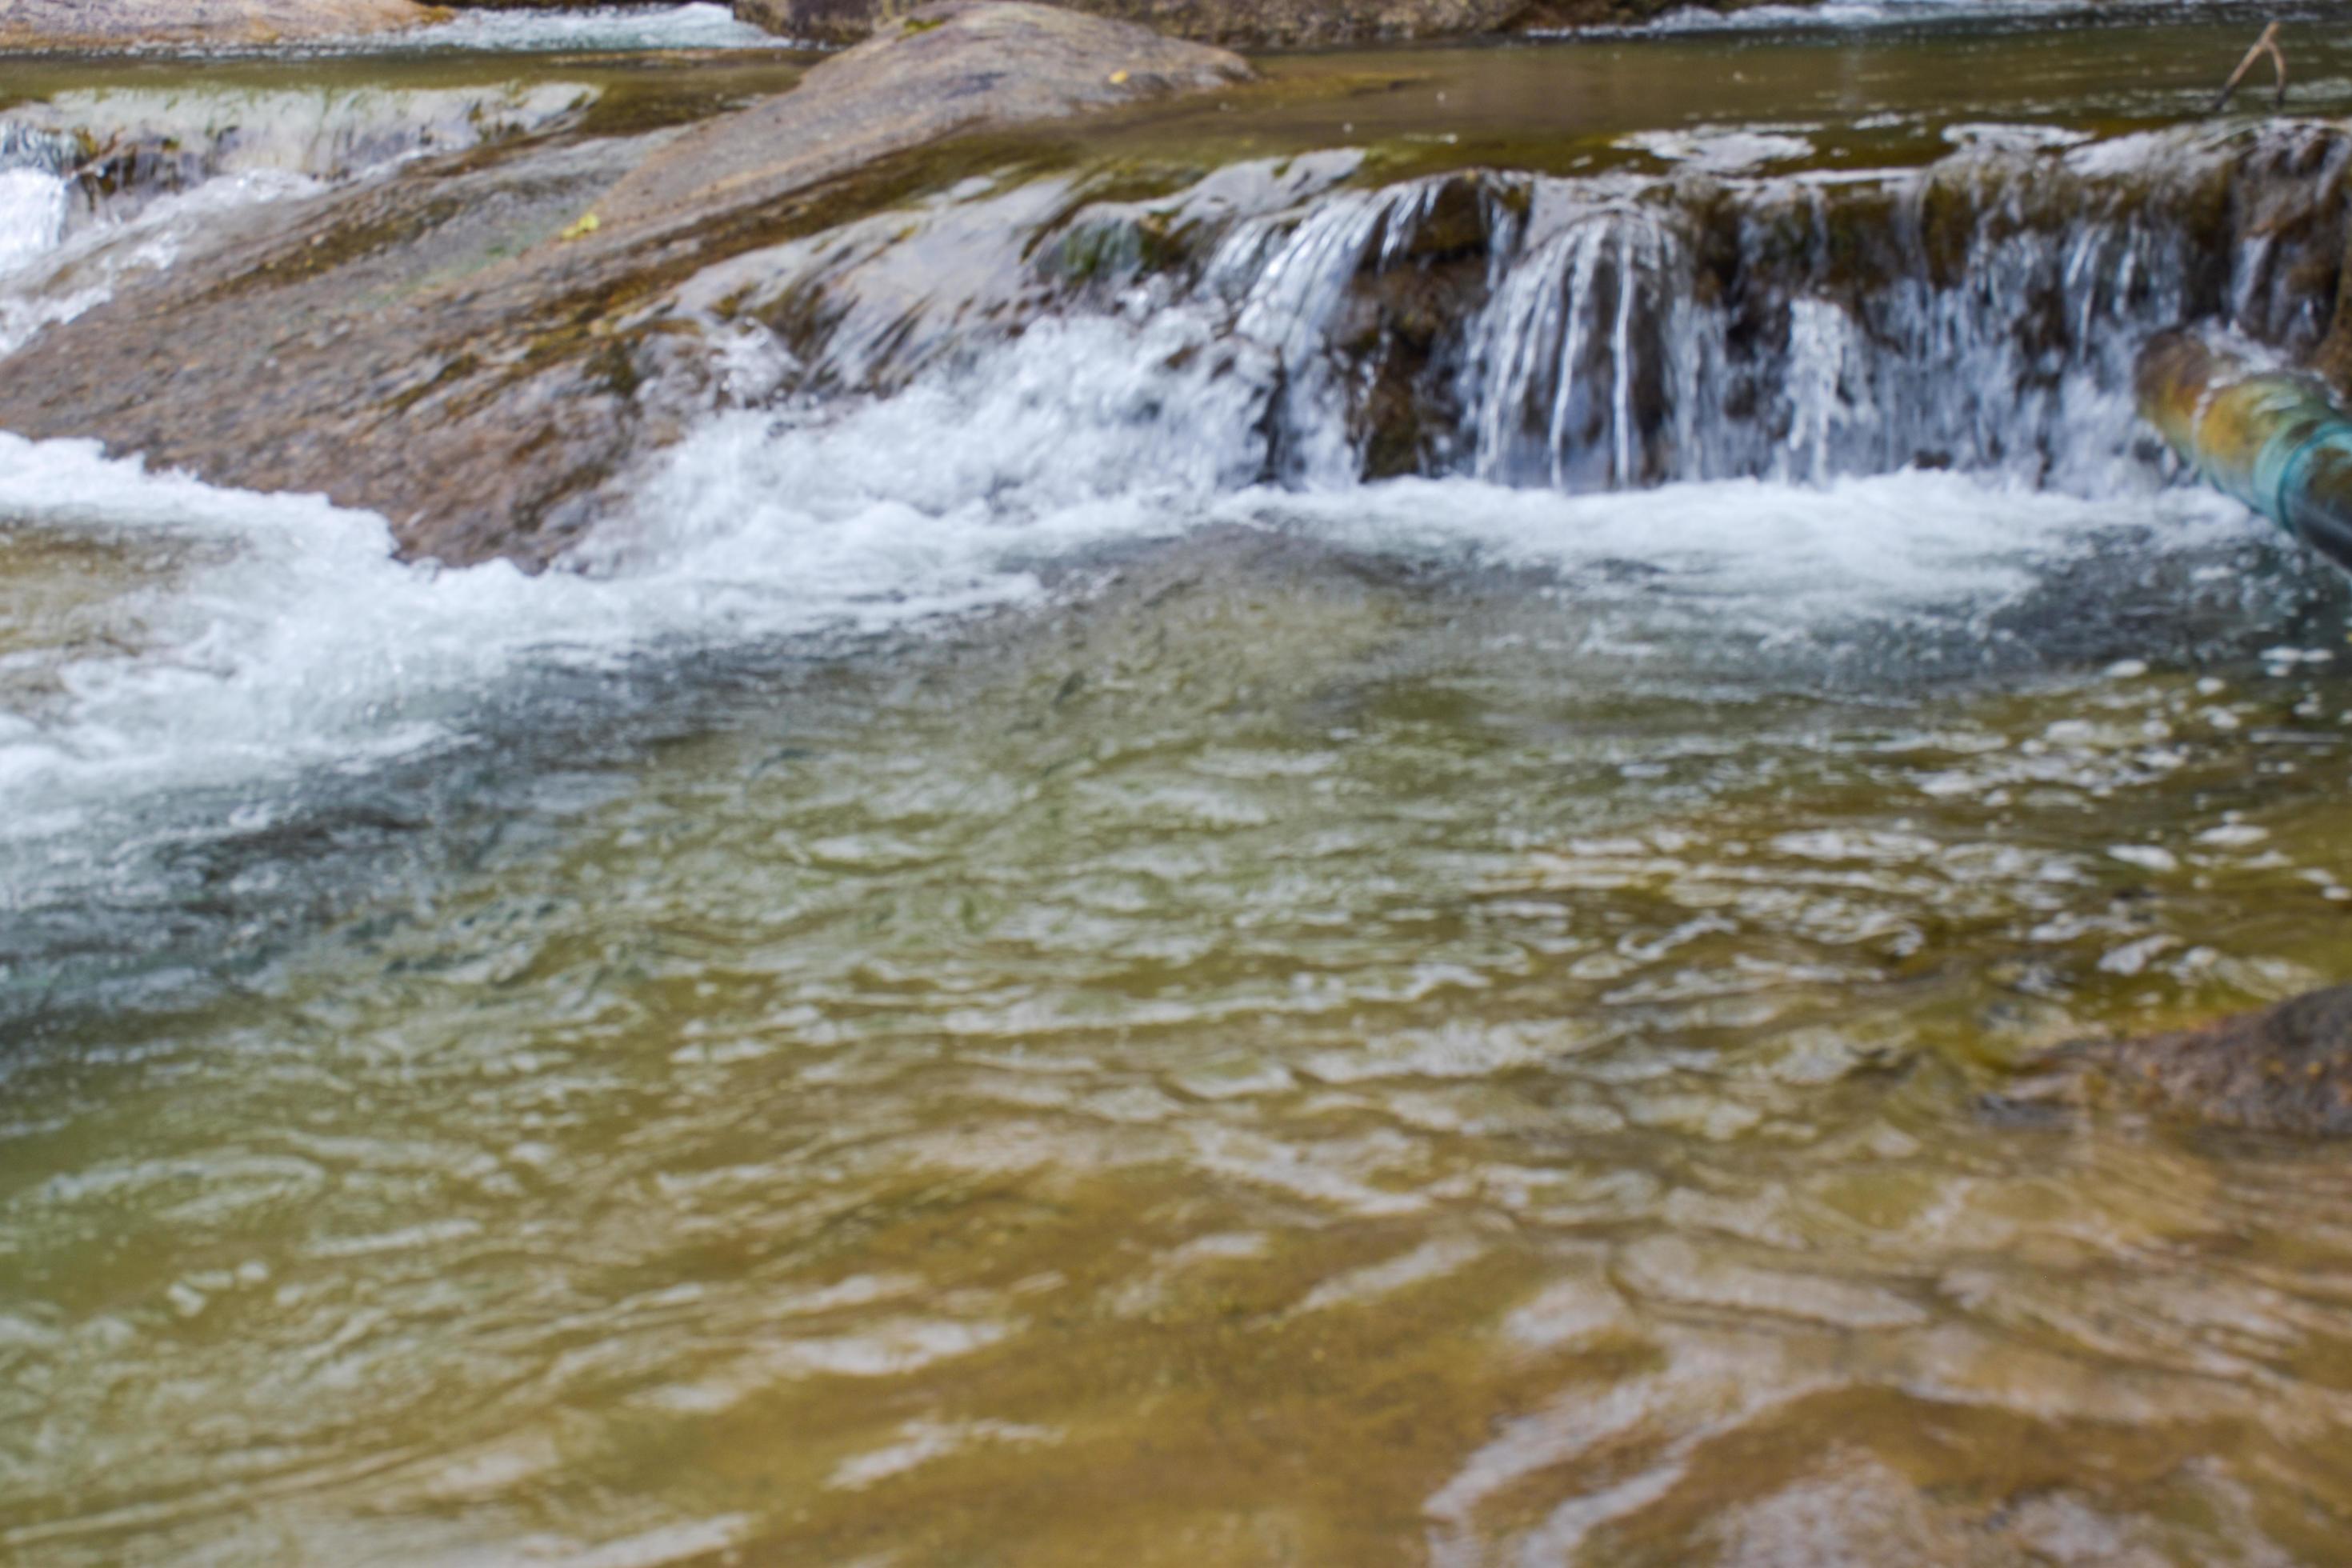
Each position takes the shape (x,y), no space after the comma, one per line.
(982,990)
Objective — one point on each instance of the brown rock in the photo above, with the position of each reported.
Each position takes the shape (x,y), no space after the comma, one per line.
(2287,1069)
(118,24)
(948,68)
(461,349)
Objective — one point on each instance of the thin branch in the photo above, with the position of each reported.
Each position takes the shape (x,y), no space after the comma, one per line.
(2265,45)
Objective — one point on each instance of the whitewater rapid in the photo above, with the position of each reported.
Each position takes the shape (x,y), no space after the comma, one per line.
(234,658)
(297,642)
(700,24)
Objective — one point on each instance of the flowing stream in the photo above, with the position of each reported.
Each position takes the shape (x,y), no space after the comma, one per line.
(1311,855)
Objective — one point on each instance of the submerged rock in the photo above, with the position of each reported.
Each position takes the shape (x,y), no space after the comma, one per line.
(120,24)
(1259,24)
(476,347)
(2287,1069)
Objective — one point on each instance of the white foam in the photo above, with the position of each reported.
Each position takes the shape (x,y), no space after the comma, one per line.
(603,28)
(1856,14)
(1718,149)
(2002,137)
(1758,556)
(312,647)
(700,24)
(325,131)
(308,645)
(256,145)
(56,281)
(32,214)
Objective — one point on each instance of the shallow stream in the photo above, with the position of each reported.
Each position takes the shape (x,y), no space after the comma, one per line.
(979,983)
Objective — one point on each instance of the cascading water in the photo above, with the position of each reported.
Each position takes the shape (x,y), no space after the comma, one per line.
(697,25)
(1980,314)
(34,164)
(96,185)
(107,153)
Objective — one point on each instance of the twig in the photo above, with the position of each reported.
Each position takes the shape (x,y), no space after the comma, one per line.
(2265,45)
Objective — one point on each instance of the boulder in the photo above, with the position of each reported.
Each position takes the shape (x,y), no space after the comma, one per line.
(476,347)
(1254,24)
(2284,1070)
(118,23)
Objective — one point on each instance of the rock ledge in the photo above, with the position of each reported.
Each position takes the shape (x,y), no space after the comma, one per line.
(2287,1069)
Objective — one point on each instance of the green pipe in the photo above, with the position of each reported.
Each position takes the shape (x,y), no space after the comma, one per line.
(2273,439)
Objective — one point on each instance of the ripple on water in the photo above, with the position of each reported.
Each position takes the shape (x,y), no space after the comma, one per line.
(955,1137)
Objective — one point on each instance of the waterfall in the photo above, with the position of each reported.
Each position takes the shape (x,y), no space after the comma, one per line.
(34,164)
(95,158)
(1610,357)
(1979,316)
(1980,313)
(1554,362)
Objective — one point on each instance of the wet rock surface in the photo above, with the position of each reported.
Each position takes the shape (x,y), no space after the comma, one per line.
(117,24)
(474,348)
(2284,1070)
(1250,24)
